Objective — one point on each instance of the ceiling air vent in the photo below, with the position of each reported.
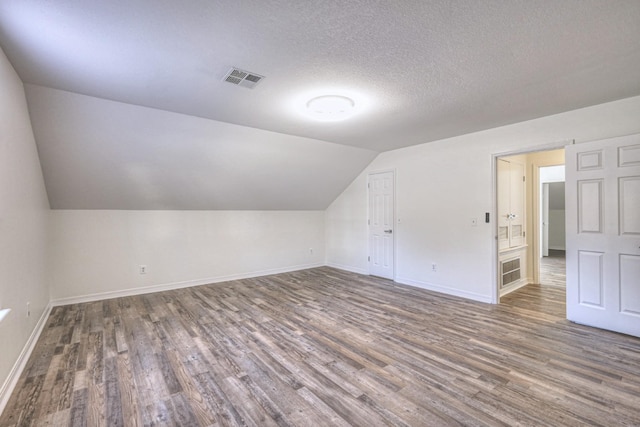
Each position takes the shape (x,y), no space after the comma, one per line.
(243,78)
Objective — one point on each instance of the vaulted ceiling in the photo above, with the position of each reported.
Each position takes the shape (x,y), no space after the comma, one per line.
(130,110)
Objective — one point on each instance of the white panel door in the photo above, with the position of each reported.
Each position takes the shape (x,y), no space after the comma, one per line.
(381,221)
(603,234)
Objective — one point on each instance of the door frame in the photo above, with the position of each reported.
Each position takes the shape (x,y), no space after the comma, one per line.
(396,221)
(495,295)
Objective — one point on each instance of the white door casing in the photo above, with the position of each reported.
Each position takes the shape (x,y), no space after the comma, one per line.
(381,224)
(603,234)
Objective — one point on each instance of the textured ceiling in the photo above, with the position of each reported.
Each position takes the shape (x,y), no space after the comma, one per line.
(418,70)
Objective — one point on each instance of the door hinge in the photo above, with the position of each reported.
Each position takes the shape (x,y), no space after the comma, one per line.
(368,259)
(368,222)
(524,234)
(523,179)
(368,185)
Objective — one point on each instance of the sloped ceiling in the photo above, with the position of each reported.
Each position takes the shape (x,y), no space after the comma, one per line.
(130,110)
(102,154)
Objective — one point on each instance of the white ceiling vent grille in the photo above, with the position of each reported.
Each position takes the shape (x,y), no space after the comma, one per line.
(243,78)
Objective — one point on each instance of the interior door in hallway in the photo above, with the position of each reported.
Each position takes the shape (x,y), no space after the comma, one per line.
(603,234)
(381,224)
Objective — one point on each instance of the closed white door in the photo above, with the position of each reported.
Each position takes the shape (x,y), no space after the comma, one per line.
(381,221)
(603,234)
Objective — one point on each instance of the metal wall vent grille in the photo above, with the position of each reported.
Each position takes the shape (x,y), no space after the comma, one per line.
(510,271)
(243,78)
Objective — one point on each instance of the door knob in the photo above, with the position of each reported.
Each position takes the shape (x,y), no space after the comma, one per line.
(388,231)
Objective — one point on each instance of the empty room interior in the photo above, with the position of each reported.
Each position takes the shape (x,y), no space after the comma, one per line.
(289,213)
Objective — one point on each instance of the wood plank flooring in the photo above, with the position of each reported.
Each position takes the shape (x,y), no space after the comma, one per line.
(324,347)
(553,269)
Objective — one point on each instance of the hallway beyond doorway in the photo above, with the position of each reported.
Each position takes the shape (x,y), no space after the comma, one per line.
(553,270)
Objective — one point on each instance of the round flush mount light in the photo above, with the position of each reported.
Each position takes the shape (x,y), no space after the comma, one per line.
(330,107)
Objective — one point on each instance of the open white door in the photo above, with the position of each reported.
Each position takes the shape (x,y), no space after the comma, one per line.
(603,234)
(381,221)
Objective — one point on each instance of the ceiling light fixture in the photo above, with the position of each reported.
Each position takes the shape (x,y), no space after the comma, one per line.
(330,108)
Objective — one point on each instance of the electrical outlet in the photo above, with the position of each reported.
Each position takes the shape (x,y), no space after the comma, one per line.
(28,309)
(434,267)
(142,269)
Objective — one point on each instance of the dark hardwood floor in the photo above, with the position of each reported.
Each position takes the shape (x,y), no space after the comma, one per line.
(324,347)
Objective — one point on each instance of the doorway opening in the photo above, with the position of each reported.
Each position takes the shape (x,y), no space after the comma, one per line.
(530,230)
(551,224)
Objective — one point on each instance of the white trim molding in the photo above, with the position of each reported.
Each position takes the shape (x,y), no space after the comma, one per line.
(176,285)
(350,269)
(14,375)
(445,290)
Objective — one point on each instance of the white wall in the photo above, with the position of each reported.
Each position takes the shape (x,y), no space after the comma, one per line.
(97,253)
(101,154)
(23,224)
(557,216)
(557,230)
(551,174)
(347,235)
(441,185)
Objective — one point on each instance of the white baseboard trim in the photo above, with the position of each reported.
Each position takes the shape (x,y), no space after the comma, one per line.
(348,268)
(176,285)
(517,285)
(445,290)
(21,362)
